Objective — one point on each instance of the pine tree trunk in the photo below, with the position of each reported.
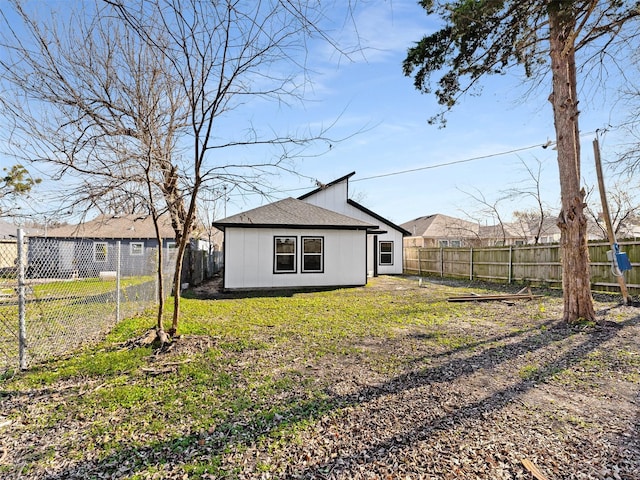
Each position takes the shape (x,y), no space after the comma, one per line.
(576,284)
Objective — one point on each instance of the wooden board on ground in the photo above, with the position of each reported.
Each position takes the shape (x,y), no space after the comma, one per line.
(524,294)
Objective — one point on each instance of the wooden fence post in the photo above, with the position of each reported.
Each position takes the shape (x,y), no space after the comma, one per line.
(510,263)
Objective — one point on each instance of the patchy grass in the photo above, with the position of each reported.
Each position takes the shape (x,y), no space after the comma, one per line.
(251,377)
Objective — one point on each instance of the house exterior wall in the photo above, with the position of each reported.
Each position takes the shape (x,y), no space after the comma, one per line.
(67,257)
(249,259)
(8,254)
(335,198)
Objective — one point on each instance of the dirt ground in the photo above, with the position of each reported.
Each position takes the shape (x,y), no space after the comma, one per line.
(524,397)
(532,400)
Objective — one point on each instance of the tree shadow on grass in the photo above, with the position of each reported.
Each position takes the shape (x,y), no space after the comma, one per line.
(246,428)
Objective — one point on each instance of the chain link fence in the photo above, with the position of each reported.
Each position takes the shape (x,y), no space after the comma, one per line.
(59,294)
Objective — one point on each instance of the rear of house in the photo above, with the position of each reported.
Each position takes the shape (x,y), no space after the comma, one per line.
(293,244)
(384,244)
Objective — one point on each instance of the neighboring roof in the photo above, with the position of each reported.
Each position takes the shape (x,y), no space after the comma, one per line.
(440,226)
(115,226)
(324,186)
(7,230)
(293,213)
(10,230)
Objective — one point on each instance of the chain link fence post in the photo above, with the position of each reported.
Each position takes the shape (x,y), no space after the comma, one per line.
(22,326)
(118,261)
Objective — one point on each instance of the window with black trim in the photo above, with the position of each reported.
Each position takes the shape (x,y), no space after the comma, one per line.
(312,254)
(100,251)
(284,260)
(386,253)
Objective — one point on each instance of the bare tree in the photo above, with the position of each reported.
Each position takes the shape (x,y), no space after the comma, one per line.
(624,209)
(211,207)
(531,221)
(128,99)
(225,54)
(95,104)
(488,209)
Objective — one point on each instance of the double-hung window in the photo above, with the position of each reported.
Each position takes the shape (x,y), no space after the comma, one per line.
(312,254)
(386,253)
(284,255)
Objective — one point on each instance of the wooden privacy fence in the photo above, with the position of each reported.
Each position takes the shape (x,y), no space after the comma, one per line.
(528,264)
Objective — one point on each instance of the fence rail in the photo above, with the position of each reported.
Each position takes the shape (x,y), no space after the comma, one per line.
(530,264)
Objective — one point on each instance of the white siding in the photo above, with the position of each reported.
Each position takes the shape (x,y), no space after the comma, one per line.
(249,257)
(395,237)
(335,198)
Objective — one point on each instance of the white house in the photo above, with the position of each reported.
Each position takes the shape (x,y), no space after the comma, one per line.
(384,245)
(301,243)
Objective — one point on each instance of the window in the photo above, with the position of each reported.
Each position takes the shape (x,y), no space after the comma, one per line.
(99,251)
(386,253)
(444,243)
(284,255)
(456,243)
(136,249)
(312,254)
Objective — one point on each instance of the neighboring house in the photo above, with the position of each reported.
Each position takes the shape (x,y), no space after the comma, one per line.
(322,239)
(9,245)
(441,231)
(506,234)
(384,245)
(8,248)
(86,249)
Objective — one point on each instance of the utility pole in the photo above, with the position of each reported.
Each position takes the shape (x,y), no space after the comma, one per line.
(224,188)
(607,218)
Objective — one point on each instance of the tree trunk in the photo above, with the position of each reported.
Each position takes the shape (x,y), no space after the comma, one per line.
(576,284)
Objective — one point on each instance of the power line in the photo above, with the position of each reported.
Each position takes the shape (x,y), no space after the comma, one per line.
(466,160)
(457,162)
(446,164)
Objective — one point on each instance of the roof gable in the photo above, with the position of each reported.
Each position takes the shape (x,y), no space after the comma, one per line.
(324,186)
(343,182)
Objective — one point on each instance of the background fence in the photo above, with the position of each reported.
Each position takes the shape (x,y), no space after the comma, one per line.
(527,264)
(47,310)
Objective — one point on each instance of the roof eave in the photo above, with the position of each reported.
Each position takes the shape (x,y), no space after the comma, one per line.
(353,203)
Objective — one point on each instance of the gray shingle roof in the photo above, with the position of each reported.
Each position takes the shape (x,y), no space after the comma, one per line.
(292,213)
(120,226)
(438,225)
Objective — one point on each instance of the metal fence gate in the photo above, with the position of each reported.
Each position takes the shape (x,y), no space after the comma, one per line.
(57,295)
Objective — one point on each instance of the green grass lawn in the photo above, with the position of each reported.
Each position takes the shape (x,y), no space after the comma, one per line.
(246,372)
(246,378)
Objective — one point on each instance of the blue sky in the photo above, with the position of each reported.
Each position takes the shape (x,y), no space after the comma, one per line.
(383,121)
(371,94)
